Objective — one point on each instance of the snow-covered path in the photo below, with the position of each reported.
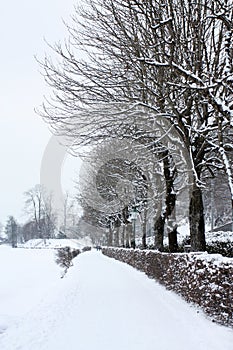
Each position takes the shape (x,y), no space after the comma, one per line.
(103,304)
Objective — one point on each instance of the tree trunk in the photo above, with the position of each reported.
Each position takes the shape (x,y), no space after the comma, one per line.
(172,231)
(144,235)
(128,235)
(132,240)
(172,240)
(117,236)
(144,226)
(109,236)
(169,174)
(159,232)
(196,220)
(123,236)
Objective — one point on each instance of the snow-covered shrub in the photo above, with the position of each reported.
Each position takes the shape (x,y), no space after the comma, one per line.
(216,243)
(223,248)
(65,256)
(86,249)
(220,242)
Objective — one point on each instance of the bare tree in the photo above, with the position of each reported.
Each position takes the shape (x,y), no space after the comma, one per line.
(173,57)
(119,179)
(70,216)
(39,206)
(34,206)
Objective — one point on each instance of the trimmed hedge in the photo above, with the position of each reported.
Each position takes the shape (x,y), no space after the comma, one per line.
(203,279)
(223,248)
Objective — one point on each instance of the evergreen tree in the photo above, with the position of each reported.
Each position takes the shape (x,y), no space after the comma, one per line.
(11,230)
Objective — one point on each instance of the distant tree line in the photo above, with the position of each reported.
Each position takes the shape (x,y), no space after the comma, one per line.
(42,219)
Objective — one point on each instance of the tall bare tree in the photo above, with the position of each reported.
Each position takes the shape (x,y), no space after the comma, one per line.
(38,205)
(173,57)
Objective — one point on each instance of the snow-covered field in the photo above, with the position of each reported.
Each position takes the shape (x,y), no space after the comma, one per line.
(57,243)
(25,277)
(101,304)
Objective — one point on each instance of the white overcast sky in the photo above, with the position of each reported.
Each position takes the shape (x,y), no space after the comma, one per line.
(23,135)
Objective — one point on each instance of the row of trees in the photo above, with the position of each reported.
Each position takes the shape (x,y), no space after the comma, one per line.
(157,75)
(43,221)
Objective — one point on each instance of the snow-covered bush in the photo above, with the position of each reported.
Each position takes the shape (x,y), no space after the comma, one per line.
(216,243)
(220,242)
(86,249)
(65,256)
(223,248)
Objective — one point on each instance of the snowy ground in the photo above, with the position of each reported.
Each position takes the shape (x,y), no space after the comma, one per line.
(25,277)
(101,304)
(57,243)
